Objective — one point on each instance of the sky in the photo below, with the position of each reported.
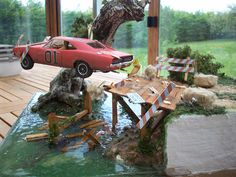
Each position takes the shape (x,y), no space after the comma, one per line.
(199,5)
(184,5)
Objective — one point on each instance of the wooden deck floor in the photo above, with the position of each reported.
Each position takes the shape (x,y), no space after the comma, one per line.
(16,91)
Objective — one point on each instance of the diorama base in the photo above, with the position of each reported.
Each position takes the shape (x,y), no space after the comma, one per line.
(19,157)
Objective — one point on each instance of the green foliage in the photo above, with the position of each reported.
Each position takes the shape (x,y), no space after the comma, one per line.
(194,109)
(79,28)
(205,62)
(192,27)
(16,19)
(53,133)
(146,147)
(226,80)
(230,96)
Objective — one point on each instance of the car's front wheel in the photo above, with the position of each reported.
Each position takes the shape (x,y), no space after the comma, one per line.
(27,63)
(83,69)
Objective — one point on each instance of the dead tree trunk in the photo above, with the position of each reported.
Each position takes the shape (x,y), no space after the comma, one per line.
(113,14)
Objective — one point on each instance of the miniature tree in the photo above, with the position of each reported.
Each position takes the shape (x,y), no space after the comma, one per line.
(113,14)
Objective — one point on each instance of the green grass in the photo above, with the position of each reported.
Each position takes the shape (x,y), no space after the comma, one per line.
(223,50)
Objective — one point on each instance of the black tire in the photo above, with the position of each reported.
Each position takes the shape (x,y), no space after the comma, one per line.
(27,63)
(83,69)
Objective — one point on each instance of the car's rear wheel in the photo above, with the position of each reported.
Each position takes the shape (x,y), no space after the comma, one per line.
(83,69)
(27,63)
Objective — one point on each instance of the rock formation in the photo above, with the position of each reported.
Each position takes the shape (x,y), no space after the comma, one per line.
(65,87)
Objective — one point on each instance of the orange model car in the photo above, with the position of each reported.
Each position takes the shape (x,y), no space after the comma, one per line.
(84,55)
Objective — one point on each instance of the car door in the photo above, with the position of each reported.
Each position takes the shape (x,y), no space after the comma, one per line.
(50,54)
(52,57)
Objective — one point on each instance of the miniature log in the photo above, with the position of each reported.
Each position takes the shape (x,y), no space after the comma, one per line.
(90,123)
(96,125)
(81,114)
(93,138)
(114,111)
(74,135)
(36,137)
(44,127)
(62,117)
(92,144)
(52,123)
(78,144)
(87,102)
(77,117)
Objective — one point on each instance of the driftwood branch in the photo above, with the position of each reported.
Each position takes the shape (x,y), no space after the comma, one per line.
(113,14)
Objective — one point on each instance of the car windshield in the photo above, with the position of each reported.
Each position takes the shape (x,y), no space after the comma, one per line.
(96,45)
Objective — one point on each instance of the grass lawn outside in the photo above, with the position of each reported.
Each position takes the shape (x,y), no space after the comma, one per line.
(223,50)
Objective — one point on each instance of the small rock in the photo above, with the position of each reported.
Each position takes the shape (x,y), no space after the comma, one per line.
(202,96)
(177,172)
(205,81)
(150,72)
(118,158)
(114,150)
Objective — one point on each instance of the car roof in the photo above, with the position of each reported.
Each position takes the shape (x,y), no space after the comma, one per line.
(77,42)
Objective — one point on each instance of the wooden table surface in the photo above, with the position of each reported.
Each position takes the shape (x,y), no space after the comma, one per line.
(142,87)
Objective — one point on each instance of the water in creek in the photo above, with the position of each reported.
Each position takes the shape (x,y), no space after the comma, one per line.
(21,158)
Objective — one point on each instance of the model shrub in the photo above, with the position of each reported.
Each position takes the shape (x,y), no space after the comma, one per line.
(80,25)
(205,62)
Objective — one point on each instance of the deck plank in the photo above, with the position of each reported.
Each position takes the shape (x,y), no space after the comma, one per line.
(23,86)
(17,113)
(41,87)
(8,118)
(3,100)
(15,91)
(8,96)
(32,80)
(12,106)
